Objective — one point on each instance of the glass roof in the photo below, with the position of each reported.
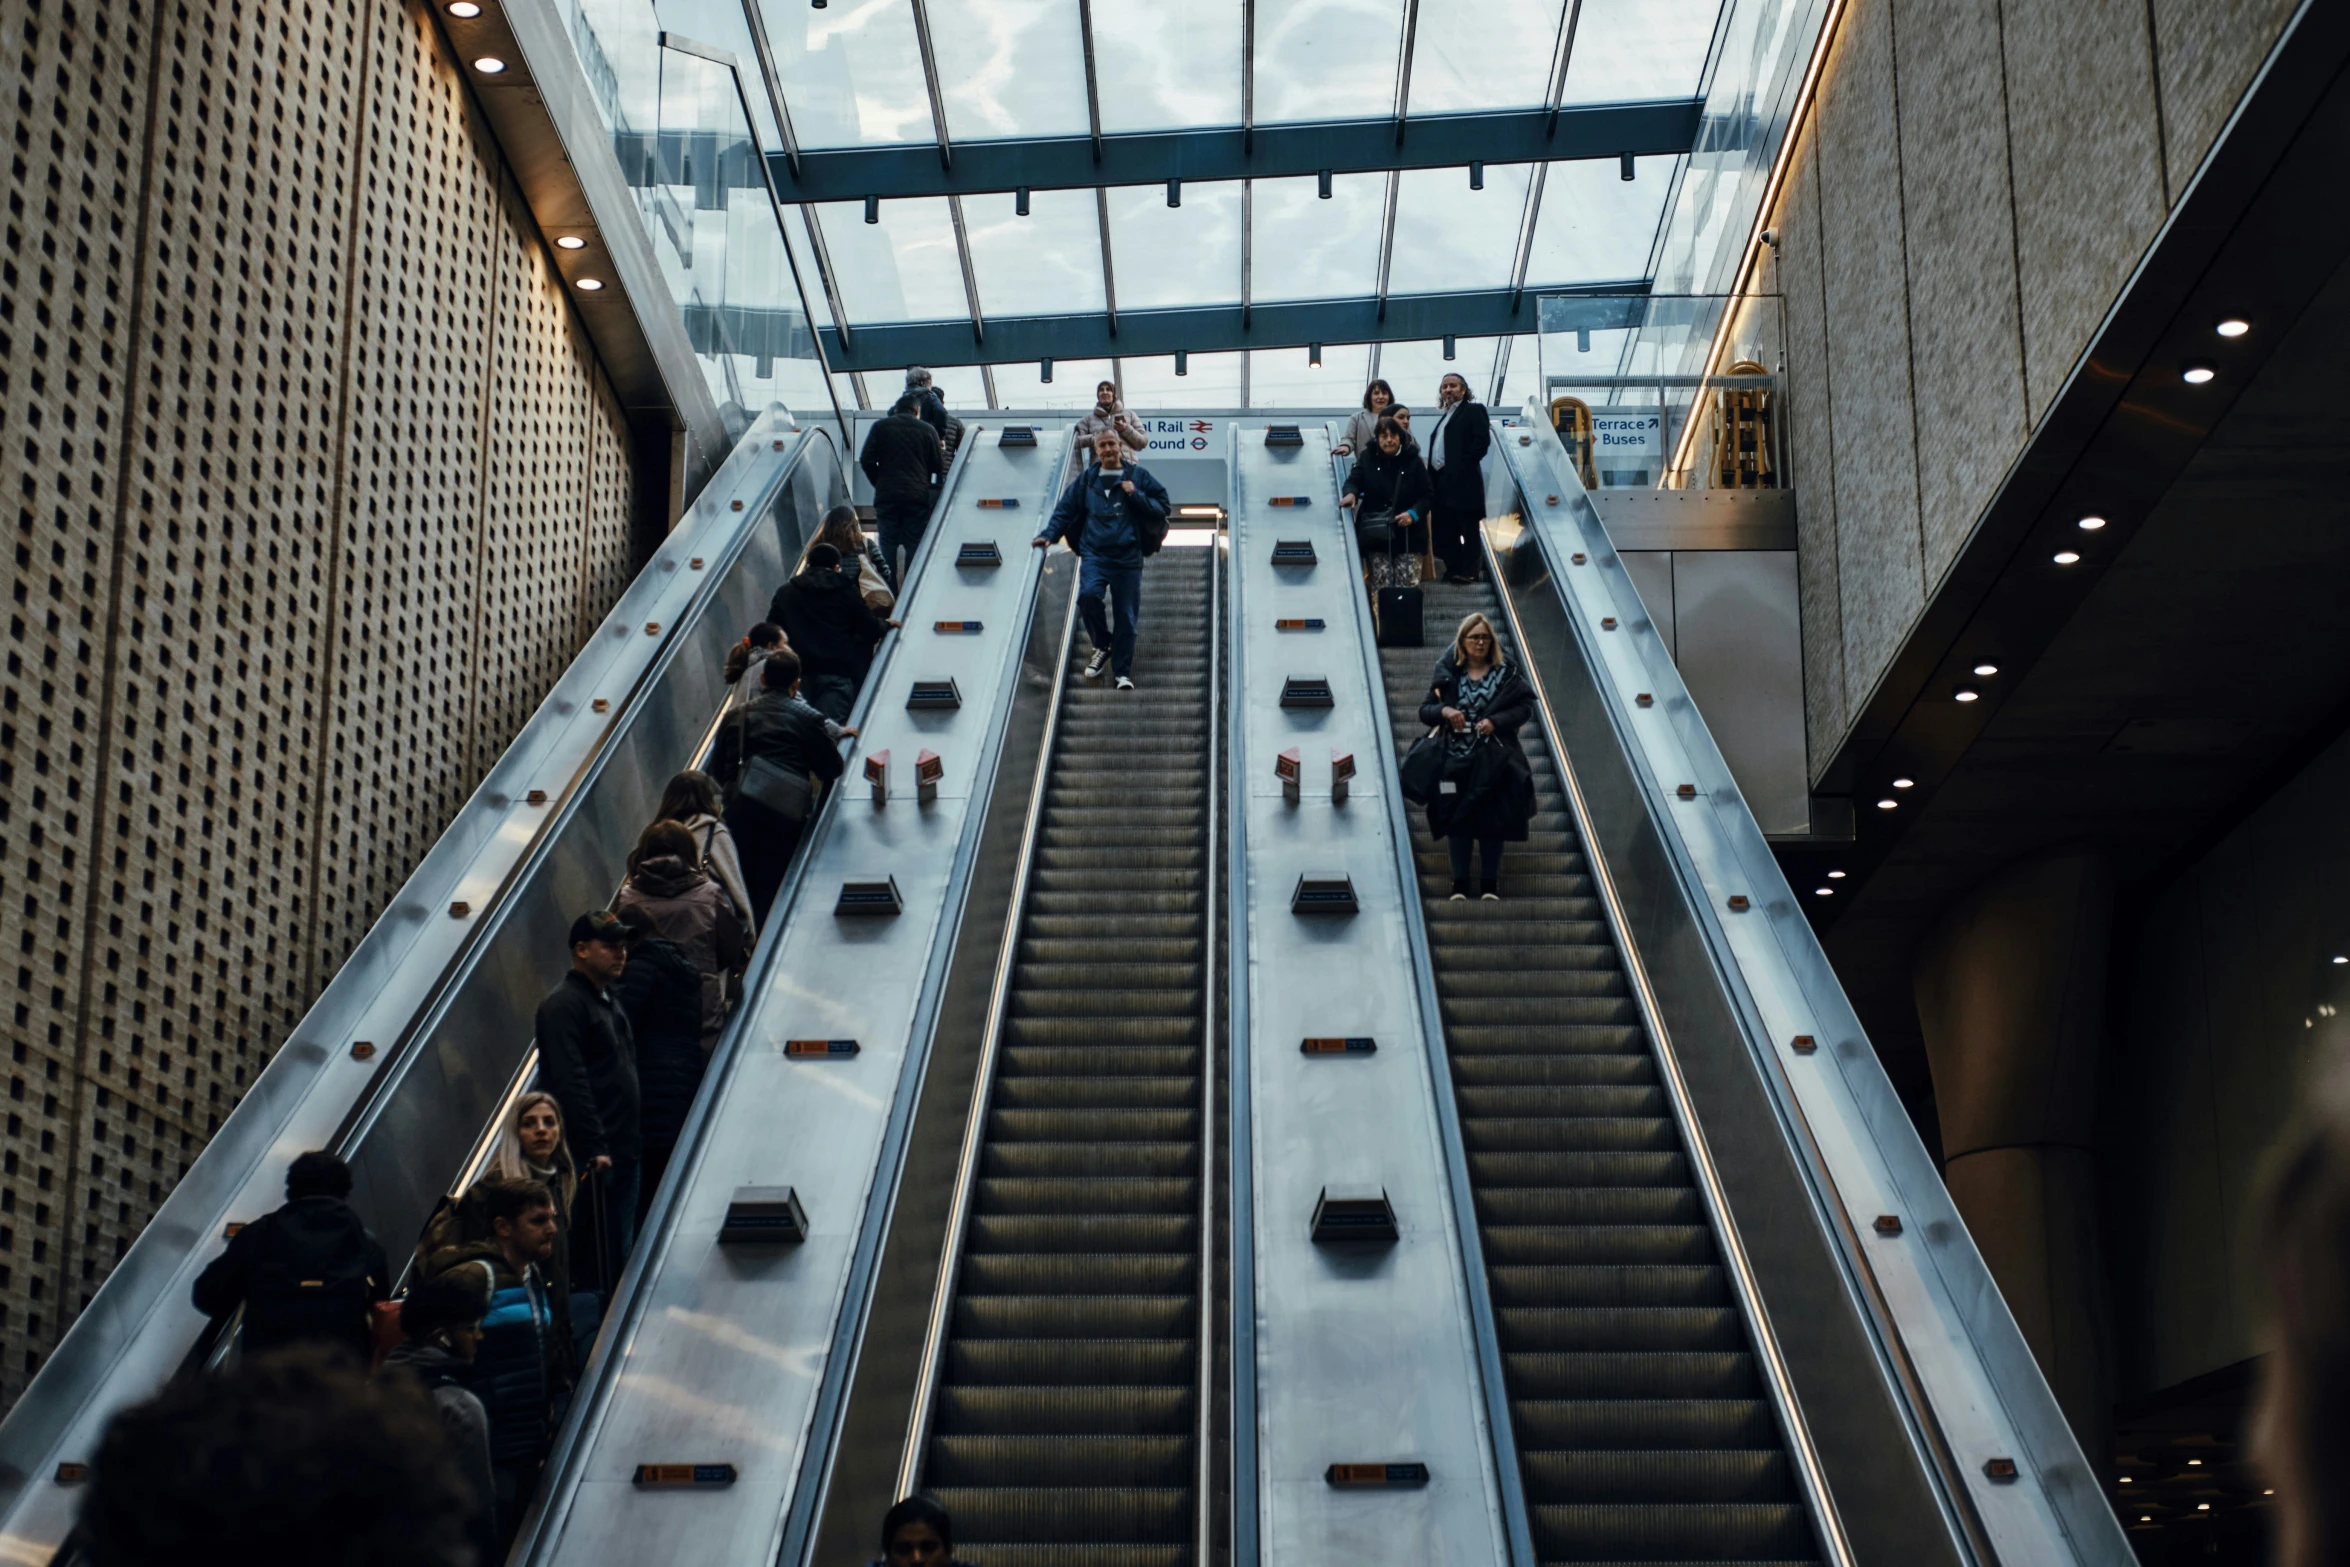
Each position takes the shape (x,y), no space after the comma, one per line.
(852,75)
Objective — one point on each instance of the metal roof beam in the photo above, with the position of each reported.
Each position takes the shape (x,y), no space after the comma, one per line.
(1225,153)
(1221,328)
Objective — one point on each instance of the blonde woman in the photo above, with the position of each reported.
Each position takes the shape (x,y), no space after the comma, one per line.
(532,1148)
(1488,794)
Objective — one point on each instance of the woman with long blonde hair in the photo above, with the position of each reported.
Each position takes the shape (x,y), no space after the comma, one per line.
(1487,798)
(532,1147)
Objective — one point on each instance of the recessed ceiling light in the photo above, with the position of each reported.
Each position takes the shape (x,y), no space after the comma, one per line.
(1986,670)
(1964,695)
(465,10)
(489,65)
(2194,1463)
(1823,892)
(2065,557)
(589,284)
(1887,805)
(2197,373)
(2342,960)
(571,242)
(2091,523)
(2203,1507)
(2233,326)
(2268,1493)
(1905,783)
(1835,875)
(2143,1518)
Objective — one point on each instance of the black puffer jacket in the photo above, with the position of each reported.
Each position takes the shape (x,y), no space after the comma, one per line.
(1506,805)
(824,617)
(661,991)
(1394,484)
(307,1273)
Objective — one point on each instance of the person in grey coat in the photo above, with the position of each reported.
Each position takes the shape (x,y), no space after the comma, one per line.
(440,1328)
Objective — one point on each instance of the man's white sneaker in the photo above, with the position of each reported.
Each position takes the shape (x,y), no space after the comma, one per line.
(1098,663)
(1125,684)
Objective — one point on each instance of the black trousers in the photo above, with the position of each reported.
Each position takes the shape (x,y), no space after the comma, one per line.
(1455,522)
(764,842)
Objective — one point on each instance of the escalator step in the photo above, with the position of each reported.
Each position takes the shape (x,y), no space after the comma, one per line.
(1621,1374)
(1478,1073)
(1589,1205)
(1578,1169)
(1619,1327)
(1624,1245)
(1099,977)
(1059,1460)
(1158,1061)
(1649,1531)
(1063,1092)
(1133,948)
(1090,1195)
(1091,1554)
(1536,1011)
(1631,1425)
(1484,984)
(1570,1285)
(1089,1160)
(1718,1475)
(1519,955)
(1135,1515)
(1092,1126)
(1100,928)
(1570,1134)
(1047,1362)
(1070,1273)
(1580,1100)
(1520,1039)
(1093,1031)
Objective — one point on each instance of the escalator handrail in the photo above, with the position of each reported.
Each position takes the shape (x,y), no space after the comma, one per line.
(1500,1430)
(1954,1359)
(939,1328)
(1204,1417)
(625,1310)
(1795,1429)
(1240,1201)
(314,1047)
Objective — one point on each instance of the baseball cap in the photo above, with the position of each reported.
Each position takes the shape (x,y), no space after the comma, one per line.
(599,925)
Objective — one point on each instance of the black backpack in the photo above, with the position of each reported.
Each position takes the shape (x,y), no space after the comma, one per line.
(1150,530)
(303,1294)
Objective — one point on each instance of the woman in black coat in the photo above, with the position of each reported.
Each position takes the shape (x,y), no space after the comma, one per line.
(1487,796)
(782,729)
(1389,477)
(661,990)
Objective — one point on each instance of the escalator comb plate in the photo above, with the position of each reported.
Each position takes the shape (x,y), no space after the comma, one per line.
(869,897)
(1293,552)
(764,1215)
(1323,895)
(933,695)
(1307,691)
(979,552)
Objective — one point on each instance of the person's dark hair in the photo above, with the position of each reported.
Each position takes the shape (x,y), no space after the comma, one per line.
(738,657)
(502,1197)
(1390,427)
(288,1457)
(639,922)
(843,530)
(917,1509)
(908,406)
(2301,1436)
(781,669)
(1377,386)
(317,1174)
(459,1298)
(691,793)
(663,837)
(1397,408)
(822,557)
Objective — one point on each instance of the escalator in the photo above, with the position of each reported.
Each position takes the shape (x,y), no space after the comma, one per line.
(1643,1431)
(1065,1426)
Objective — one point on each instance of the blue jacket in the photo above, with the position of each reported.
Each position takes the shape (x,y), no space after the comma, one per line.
(1098,519)
(510,1373)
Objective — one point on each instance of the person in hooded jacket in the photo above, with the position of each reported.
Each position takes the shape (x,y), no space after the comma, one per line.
(1113,514)
(782,729)
(1110,414)
(307,1273)
(440,1329)
(692,801)
(687,906)
(1481,700)
(661,992)
(1389,478)
(513,1370)
(823,615)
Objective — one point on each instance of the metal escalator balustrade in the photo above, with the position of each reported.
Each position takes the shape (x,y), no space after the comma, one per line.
(1642,1429)
(1066,1417)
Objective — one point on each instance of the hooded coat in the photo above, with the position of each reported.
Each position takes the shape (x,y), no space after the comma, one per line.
(824,616)
(513,1371)
(661,993)
(307,1273)
(688,907)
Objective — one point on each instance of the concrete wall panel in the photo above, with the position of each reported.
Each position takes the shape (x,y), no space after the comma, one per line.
(1812,439)
(1879,570)
(2208,55)
(1962,278)
(2085,143)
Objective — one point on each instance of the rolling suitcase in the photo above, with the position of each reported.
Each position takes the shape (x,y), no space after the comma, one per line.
(1395,611)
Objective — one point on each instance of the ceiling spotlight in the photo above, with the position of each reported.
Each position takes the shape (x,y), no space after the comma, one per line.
(2143,1518)
(2196,372)
(1887,805)
(2066,558)
(1476,174)
(1314,355)
(1986,670)
(1020,202)
(1182,361)
(2194,1463)
(1835,875)
(2091,523)
(489,65)
(1322,184)
(2233,327)
(1964,695)
(873,209)
(1905,783)
(588,285)
(1823,892)
(571,242)
(465,10)
(2203,1507)
(2340,959)
(2268,1493)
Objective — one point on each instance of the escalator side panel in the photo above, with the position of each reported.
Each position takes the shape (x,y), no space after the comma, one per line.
(1908,1370)
(733,1354)
(445,1001)
(1358,1356)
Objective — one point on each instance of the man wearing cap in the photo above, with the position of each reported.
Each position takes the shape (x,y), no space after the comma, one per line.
(587,1060)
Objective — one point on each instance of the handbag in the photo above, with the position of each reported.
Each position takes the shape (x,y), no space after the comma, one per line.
(785,791)
(1422,768)
(1376,529)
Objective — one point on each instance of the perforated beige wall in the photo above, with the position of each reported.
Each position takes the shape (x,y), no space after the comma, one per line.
(317,486)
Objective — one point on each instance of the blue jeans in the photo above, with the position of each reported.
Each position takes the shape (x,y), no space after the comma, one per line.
(1121,586)
(831,695)
(900,525)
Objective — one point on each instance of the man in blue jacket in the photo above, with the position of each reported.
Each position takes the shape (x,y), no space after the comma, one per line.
(1113,515)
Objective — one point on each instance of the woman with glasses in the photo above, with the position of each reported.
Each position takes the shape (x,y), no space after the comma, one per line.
(1486,797)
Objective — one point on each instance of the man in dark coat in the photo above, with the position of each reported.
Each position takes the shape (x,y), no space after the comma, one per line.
(776,727)
(1113,515)
(906,460)
(587,1060)
(1457,443)
(661,991)
(824,618)
(307,1273)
